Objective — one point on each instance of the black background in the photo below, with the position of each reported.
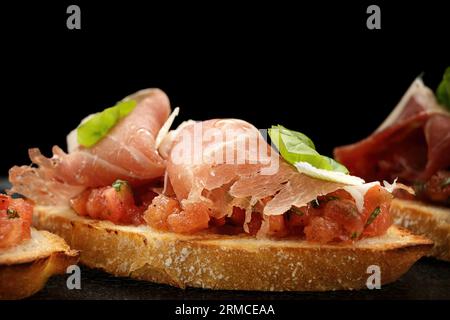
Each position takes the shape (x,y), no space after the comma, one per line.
(315,67)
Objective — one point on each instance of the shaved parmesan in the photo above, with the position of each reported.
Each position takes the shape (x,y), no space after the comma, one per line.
(395,185)
(166,127)
(333,176)
(359,192)
(390,186)
(72,143)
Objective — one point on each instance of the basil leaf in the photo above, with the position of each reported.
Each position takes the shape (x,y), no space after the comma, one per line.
(335,166)
(294,135)
(443,90)
(98,126)
(296,147)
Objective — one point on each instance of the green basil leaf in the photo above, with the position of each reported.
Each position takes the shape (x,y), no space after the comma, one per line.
(296,147)
(98,126)
(336,166)
(443,90)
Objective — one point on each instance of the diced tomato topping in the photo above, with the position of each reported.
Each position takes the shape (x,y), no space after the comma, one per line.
(4,201)
(330,218)
(255,223)
(277,226)
(238,216)
(193,218)
(346,215)
(157,213)
(322,229)
(116,203)
(217,222)
(377,217)
(334,217)
(165,213)
(15,221)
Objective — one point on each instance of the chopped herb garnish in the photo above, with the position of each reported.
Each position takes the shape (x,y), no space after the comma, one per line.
(297,211)
(12,214)
(373,215)
(117,185)
(331,198)
(354,235)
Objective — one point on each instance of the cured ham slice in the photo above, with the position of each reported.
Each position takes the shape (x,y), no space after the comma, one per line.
(257,173)
(127,152)
(413,143)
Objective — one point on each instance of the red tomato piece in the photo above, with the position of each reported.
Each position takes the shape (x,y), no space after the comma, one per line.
(193,218)
(15,221)
(157,213)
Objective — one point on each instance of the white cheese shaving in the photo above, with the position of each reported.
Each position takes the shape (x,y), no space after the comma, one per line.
(166,127)
(334,176)
(359,192)
(390,186)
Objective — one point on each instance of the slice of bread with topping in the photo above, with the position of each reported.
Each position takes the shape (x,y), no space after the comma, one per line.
(232,262)
(25,268)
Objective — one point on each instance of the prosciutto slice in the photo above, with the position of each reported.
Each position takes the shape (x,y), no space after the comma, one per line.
(127,152)
(205,174)
(413,143)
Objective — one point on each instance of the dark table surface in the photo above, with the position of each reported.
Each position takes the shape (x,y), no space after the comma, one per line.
(427,279)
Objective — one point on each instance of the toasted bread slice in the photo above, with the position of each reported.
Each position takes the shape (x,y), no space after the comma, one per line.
(428,220)
(24,269)
(231,262)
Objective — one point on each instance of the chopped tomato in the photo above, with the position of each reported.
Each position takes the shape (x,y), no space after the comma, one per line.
(115,203)
(4,201)
(322,229)
(238,216)
(193,218)
(296,221)
(377,217)
(329,218)
(255,223)
(339,218)
(277,226)
(160,208)
(217,222)
(346,215)
(15,221)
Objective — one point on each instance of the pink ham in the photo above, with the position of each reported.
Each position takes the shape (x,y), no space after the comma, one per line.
(222,185)
(413,143)
(128,152)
